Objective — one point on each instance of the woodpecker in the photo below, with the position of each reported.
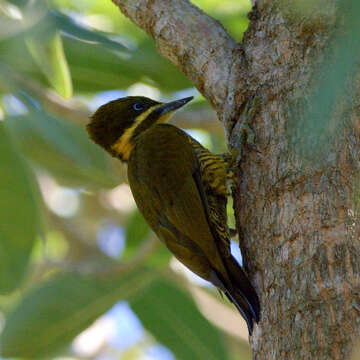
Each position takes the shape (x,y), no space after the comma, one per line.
(180,188)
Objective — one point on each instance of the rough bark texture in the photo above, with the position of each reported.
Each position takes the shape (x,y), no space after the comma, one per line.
(299,220)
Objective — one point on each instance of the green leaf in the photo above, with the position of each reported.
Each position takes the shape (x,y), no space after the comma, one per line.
(137,230)
(19,215)
(45,45)
(172,317)
(49,317)
(95,68)
(62,148)
(69,26)
(160,257)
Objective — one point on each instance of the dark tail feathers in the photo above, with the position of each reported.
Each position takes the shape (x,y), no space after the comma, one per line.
(240,292)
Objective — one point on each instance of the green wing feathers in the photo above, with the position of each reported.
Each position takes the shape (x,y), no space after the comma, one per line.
(166,179)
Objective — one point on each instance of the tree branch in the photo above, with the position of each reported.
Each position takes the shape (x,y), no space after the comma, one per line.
(196,43)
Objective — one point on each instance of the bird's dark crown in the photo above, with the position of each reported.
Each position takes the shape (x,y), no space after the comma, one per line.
(116,125)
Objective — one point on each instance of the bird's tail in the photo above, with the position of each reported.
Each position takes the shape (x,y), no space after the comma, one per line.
(239,291)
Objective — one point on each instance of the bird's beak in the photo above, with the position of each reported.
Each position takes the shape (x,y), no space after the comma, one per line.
(172,106)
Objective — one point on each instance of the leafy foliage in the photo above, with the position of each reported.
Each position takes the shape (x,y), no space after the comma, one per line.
(41,324)
(179,326)
(19,214)
(62,148)
(48,52)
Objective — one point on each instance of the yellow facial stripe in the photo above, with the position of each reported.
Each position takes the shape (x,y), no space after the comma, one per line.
(123,145)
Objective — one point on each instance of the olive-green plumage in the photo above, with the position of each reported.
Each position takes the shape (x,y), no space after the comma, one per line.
(180,188)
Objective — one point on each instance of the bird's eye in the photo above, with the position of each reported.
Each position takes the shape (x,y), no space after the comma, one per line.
(138,106)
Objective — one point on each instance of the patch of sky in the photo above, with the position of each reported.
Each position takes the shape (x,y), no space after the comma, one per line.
(235,251)
(64,202)
(128,328)
(158,352)
(13,105)
(111,239)
(104,97)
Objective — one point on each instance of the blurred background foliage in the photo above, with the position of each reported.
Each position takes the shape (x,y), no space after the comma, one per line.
(81,274)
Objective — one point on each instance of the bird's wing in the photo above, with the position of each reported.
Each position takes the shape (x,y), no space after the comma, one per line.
(165,179)
(166,183)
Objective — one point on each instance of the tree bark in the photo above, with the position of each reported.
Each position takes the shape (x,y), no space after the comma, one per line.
(298,218)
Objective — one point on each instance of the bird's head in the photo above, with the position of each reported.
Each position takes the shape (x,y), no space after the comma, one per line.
(116,125)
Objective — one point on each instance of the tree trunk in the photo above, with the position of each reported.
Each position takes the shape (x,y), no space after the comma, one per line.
(296,202)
